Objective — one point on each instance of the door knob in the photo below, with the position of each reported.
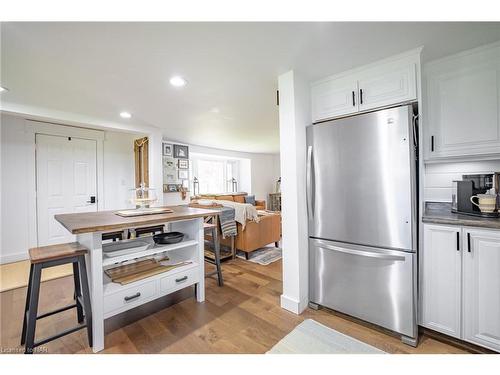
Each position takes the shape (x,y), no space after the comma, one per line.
(92,199)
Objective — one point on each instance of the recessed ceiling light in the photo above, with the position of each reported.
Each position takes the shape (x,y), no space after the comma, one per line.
(178,81)
(125,115)
(2,89)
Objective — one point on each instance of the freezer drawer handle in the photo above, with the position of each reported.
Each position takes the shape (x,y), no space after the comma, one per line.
(363,253)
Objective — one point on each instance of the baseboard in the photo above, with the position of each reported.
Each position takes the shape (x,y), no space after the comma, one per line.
(455,342)
(293,305)
(11,258)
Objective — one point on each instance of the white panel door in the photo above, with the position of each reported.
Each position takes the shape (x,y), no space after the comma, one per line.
(481,295)
(66,181)
(441,275)
(387,85)
(334,98)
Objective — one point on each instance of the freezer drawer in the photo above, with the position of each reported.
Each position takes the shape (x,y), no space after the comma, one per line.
(368,283)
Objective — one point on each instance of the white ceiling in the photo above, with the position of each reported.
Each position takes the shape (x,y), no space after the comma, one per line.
(101,69)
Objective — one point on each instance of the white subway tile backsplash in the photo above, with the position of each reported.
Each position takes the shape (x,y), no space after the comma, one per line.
(439,176)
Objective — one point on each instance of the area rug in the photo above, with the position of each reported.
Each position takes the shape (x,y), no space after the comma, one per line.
(15,275)
(311,337)
(263,256)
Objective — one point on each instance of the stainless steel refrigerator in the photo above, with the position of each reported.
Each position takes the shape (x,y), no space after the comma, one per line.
(362,212)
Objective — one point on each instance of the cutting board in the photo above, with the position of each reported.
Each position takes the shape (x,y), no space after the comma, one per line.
(140,270)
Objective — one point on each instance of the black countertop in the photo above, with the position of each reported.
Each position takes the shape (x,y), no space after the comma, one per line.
(440,213)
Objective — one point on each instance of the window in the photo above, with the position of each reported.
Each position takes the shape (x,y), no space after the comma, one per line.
(215,174)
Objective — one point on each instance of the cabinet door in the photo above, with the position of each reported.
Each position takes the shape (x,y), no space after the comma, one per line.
(387,85)
(463,106)
(334,98)
(481,288)
(441,279)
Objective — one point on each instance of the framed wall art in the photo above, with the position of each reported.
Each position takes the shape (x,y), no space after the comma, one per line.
(181,152)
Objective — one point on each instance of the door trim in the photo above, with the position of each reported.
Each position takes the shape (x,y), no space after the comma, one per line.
(36,127)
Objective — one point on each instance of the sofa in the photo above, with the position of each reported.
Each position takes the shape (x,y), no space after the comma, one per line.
(233,197)
(257,235)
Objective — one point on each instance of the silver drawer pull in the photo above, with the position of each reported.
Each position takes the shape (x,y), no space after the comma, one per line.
(128,298)
(181,279)
(363,253)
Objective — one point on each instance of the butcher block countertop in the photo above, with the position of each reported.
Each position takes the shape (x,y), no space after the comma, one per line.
(102,221)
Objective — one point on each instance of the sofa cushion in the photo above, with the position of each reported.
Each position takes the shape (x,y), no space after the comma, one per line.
(250,199)
(225,198)
(239,198)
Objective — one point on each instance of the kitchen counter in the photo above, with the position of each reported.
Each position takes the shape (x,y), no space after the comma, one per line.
(440,213)
(109,298)
(87,222)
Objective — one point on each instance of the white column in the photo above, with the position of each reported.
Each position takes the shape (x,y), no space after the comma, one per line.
(156,164)
(294,116)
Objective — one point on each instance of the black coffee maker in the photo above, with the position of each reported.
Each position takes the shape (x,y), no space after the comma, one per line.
(473,184)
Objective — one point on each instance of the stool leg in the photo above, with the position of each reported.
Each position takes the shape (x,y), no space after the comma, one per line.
(33,308)
(26,307)
(215,237)
(233,247)
(78,292)
(86,297)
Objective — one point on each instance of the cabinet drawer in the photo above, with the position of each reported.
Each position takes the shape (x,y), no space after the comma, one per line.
(130,297)
(179,280)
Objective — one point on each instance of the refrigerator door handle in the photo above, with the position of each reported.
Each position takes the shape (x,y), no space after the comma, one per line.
(309,191)
(362,253)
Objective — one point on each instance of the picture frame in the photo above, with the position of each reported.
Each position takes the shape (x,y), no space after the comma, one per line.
(170,178)
(183,163)
(168,149)
(170,188)
(169,163)
(181,152)
(183,174)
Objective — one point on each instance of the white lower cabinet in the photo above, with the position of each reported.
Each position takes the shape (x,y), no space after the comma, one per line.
(441,274)
(481,288)
(460,283)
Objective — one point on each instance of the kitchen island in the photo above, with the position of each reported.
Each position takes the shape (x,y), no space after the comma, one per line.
(109,298)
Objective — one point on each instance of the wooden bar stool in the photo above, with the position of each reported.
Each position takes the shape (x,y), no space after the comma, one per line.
(212,229)
(50,256)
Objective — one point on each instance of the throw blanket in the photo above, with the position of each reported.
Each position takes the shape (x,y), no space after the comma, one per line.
(227,222)
(242,211)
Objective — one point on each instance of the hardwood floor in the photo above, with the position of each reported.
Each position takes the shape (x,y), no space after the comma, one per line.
(244,316)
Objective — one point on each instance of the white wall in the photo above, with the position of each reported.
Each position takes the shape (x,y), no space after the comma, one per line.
(294,115)
(258,178)
(438,177)
(119,173)
(17,184)
(15,219)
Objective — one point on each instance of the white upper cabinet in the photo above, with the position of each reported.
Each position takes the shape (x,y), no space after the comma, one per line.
(462,105)
(481,283)
(441,275)
(388,82)
(334,98)
(386,85)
